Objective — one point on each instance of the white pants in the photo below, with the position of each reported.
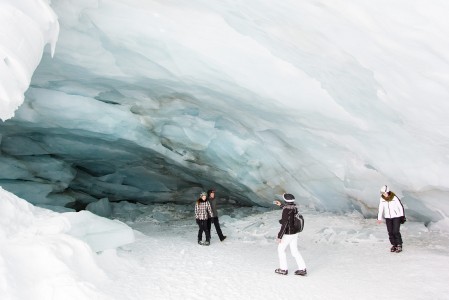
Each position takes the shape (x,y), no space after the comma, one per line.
(292,240)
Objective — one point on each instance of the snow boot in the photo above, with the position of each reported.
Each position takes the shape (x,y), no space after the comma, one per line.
(223,238)
(393,248)
(206,243)
(200,242)
(398,248)
(280,271)
(301,272)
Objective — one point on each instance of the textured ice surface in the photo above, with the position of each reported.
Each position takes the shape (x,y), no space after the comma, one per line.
(154,101)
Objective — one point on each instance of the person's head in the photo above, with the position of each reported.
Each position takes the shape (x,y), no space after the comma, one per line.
(384,190)
(289,198)
(203,196)
(211,193)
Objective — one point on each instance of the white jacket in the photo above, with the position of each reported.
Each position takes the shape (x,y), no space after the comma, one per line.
(390,209)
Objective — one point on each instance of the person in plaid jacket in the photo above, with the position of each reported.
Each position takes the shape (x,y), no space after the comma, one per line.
(203,211)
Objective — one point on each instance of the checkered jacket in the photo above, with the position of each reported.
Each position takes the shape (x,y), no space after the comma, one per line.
(203,210)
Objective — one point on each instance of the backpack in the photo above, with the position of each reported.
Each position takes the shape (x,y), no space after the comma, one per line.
(298,221)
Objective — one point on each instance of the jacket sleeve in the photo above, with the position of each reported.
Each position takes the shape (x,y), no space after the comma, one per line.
(284,222)
(196,211)
(381,210)
(209,209)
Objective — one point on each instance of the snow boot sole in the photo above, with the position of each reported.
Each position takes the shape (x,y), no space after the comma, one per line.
(301,272)
(281,272)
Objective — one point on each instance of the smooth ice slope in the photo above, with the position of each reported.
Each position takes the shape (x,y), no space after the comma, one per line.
(47,255)
(154,101)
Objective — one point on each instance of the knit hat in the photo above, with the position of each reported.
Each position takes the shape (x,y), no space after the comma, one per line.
(203,194)
(288,197)
(384,189)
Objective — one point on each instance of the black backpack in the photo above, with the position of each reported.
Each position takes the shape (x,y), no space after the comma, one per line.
(298,221)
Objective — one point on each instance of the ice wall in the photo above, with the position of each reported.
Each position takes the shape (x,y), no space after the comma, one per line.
(26,27)
(156,100)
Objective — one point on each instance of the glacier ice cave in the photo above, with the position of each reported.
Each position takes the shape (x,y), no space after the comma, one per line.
(154,101)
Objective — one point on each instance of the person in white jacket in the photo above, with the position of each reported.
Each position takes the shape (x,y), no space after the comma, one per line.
(391,209)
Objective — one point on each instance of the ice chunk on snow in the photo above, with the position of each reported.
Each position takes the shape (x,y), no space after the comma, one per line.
(101,207)
(100,233)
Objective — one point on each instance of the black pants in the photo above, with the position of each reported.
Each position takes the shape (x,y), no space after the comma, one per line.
(393,227)
(217,226)
(202,224)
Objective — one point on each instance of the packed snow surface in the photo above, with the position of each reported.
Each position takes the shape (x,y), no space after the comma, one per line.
(347,257)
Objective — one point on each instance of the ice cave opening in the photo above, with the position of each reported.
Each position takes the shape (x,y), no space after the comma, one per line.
(155,102)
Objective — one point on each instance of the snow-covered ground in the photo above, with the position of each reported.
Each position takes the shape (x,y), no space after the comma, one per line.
(347,257)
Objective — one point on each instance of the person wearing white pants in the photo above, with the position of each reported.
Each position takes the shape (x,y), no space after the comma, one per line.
(292,240)
(288,235)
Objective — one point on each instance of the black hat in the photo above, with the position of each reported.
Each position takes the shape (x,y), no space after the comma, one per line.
(288,197)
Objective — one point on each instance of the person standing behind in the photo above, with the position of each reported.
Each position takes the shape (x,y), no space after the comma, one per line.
(390,208)
(214,219)
(288,235)
(203,211)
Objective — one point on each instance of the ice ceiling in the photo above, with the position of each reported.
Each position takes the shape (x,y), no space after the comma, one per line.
(154,101)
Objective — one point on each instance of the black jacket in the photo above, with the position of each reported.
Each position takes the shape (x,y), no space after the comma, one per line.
(288,213)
